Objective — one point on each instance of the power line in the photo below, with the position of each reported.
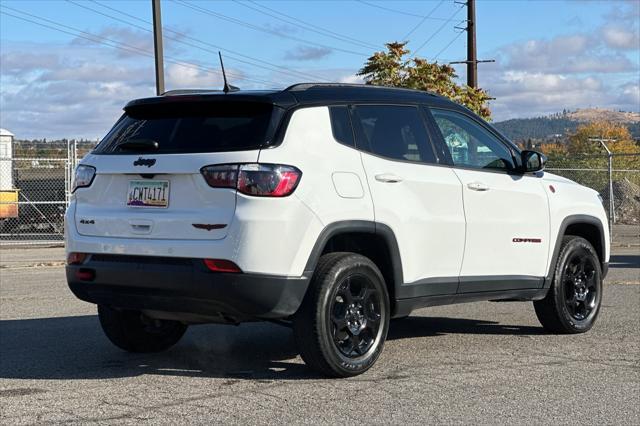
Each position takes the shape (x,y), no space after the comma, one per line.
(364,43)
(231,54)
(406,37)
(302,24)
(90,38)
(401,12)
(444,24)
(264,30)
(53,25)
(447,46)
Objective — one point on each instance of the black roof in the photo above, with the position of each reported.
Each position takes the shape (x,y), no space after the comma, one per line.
(303,94)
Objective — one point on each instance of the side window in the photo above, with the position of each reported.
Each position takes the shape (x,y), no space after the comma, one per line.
(395,132)
(470,144)
(341,125)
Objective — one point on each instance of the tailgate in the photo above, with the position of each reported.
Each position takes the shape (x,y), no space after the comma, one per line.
(183,206)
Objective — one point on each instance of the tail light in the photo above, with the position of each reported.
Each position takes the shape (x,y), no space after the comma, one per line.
(76,258)
(83,177)
(260,180)
(223,176)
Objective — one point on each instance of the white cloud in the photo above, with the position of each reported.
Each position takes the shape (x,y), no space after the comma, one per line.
(307,53)
(179,76)
(351,79)
(129,42)
(542,76)
(576,53)
(17,62)
(78,89)
(621,38)
(630,94)
(89,71)
(525,94)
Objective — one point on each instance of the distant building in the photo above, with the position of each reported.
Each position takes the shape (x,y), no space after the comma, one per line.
(6,153)
(8,195)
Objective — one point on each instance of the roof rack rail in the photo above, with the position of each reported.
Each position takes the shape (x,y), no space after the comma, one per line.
(189,91)
(299,87)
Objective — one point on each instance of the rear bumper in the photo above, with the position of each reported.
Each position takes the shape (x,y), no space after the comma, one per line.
(180,285)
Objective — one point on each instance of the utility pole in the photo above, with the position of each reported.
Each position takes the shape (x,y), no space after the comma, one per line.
(157,46)
(472,54)
(472,57)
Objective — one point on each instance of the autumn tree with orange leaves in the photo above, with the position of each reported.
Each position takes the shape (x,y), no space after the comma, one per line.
(621,142)
(396,69)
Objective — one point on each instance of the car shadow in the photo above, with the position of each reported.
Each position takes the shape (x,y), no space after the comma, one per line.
(624,261)
(416,326)
(75,348)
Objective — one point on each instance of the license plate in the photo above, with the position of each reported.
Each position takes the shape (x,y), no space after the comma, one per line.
(148,193)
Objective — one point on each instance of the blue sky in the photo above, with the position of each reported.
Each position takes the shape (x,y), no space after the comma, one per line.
(57,81)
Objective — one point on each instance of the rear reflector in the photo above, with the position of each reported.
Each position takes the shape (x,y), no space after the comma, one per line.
(76,258)
(221,265)
(85,274)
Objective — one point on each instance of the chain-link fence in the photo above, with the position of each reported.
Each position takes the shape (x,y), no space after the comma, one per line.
(35,187)
(615,177)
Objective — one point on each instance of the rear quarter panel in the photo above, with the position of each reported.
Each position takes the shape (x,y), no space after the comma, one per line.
(309,145)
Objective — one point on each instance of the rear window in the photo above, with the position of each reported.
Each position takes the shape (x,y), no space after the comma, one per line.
(182,127)
(341,125)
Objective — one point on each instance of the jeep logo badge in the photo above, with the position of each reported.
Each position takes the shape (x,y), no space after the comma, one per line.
(144,162)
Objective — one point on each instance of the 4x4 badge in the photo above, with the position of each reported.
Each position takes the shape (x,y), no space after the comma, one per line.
(144,162)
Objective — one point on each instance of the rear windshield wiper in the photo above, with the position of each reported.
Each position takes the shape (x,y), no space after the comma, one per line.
(138,145)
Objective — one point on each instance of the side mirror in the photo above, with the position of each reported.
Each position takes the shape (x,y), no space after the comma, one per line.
(533,161)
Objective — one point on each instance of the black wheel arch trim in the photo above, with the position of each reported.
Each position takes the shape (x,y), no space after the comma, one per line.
(577,219)
(365,226)
(357,226)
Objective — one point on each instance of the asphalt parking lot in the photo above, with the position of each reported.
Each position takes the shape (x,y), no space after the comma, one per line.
(473,363)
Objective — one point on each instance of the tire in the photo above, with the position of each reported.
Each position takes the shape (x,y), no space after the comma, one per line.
(133,332)
(342,324)
(573,301)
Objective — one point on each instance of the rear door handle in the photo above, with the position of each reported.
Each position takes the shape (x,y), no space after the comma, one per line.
(388,178)
(478,186)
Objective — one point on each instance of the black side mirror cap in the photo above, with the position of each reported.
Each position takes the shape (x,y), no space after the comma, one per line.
(532,161)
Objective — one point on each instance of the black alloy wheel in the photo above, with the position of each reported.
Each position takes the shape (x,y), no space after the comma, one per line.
(342,324)
(574,298)
(580,286)
(356,315)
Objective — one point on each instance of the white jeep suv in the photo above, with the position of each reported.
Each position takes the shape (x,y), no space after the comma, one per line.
(330,208)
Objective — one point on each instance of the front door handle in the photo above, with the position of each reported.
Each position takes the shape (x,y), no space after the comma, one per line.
(478,186)
(388,178)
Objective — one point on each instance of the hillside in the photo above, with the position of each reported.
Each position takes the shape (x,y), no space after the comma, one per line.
(563,123)
(594,114)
